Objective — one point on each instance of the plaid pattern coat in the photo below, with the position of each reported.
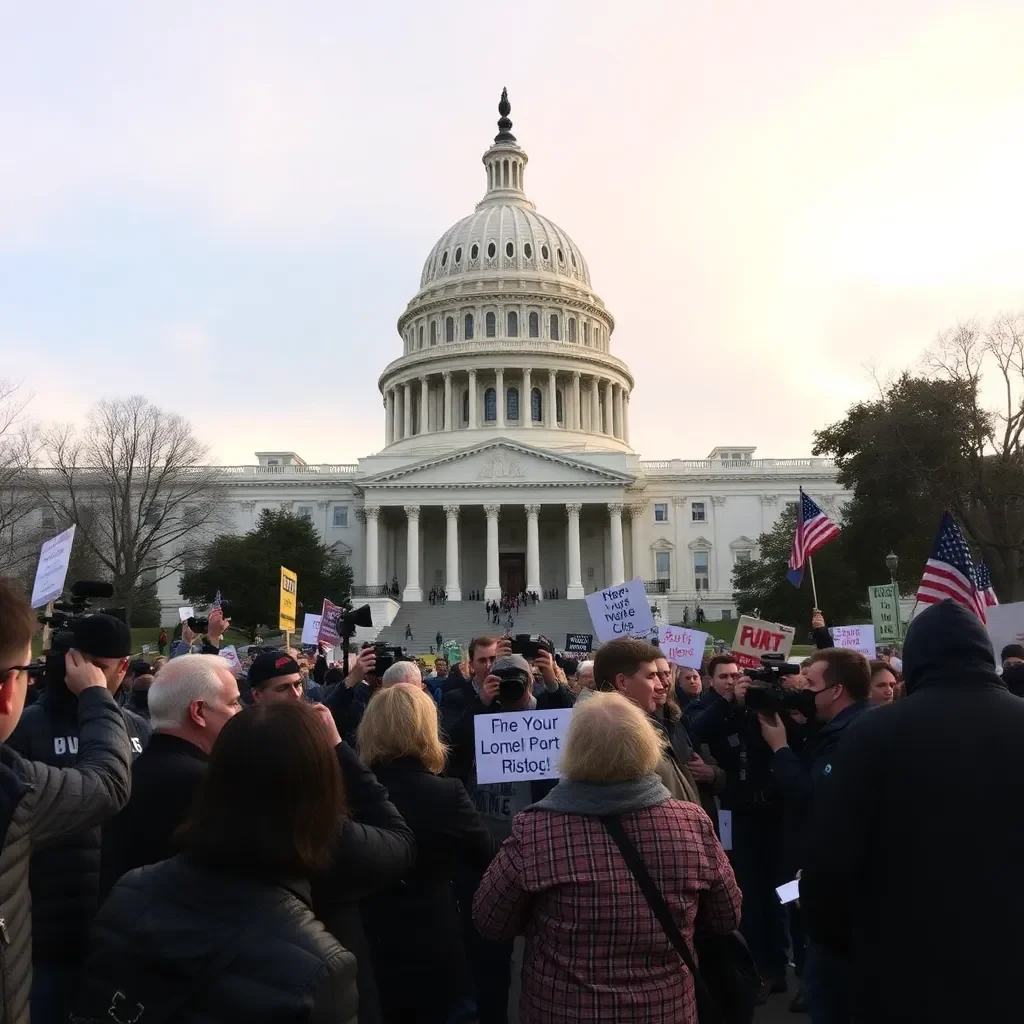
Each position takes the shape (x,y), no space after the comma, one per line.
(594,950)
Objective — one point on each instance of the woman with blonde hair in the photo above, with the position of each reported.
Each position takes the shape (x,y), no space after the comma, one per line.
(414,928)
(594,949)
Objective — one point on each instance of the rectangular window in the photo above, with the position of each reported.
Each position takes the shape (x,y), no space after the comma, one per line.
(697,512)
(742,557)
(726,614)
(700,570)
(661,512)
(341,515)
(306,511)
(663,565)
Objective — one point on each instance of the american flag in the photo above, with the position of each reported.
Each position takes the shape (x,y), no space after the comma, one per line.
(814,530)
(949,572)
(217,603)
(983,579)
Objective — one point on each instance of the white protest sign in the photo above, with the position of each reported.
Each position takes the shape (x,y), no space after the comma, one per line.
(186,613)
(52,571)
(620,611)
(856,638)
(1005,625)
(146,648)
(519,746)
(230,655)
(755,637)
(682,646)
(311,628)
(725,829)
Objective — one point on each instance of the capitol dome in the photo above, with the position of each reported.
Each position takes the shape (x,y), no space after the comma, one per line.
(505,330)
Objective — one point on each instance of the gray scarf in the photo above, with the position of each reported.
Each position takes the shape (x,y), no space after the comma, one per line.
(595,799)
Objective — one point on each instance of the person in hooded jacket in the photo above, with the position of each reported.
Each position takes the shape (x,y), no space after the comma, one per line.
(933,784)
(64,879)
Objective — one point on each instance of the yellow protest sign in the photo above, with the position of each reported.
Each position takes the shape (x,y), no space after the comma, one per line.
(289,588)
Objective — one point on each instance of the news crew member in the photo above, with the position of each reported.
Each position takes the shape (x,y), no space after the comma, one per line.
(65,877)
(40,804)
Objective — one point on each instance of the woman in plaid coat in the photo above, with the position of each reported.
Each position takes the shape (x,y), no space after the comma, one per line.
(594,950)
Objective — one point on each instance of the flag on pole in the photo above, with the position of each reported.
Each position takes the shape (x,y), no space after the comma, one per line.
(217,604)
(949,572)
(814,530)
(983,579)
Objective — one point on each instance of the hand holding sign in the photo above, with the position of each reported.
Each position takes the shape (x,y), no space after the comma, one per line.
(621,611)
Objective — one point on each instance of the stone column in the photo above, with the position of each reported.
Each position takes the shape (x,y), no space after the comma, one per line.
(492,592)
(636,515)
(451,584)
(396,409)
(499,397)
(424,405)
(407,406)
(372,514)
(577,412)
(413,591)
(595,407)
(532,549)
(389,417)
(448,423)
(618,568)
(553,401)
(617,410)
(472,399)
(606,426)
(525,402)
(625,417)
(574,583)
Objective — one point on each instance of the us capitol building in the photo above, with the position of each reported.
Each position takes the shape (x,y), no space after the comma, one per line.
(506,462)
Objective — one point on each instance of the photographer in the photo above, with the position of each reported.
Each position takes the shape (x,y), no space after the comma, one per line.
(40,805)
(348,698)
(201,636)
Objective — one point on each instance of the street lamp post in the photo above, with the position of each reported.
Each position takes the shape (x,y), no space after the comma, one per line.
(892,563)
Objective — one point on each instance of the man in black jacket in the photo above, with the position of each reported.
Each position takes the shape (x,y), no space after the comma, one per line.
(918,844)
(40,804)
(64,878)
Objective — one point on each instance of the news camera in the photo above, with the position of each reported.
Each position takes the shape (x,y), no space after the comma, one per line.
(768,695)
(531,646)
(62,623)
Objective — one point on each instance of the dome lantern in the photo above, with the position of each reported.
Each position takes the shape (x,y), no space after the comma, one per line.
(505,163)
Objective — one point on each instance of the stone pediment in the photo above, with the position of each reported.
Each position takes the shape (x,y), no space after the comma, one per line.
(499,464)
(742,543)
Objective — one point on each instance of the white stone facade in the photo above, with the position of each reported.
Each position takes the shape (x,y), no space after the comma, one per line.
(507,461)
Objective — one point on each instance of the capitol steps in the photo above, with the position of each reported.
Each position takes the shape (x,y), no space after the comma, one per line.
(463,620)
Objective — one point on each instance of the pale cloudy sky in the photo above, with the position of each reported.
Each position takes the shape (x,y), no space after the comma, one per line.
(226,206)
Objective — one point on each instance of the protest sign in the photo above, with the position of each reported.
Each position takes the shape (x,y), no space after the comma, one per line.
(1005,625)
(578,643)
(310,629)
(452,651)
(682,646)
(856,638)
(186,613)
(755,637)
(289,591)
(329,615)
(230,655)
(519,746)
(620,611)
(146,648)
(885,613)
(52,570)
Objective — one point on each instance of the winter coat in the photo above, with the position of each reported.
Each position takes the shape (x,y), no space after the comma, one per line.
(41,804)
(214,947)
(414,926)
(918,842)
(65,877)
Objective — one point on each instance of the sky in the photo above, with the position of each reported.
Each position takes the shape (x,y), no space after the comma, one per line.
(225,207)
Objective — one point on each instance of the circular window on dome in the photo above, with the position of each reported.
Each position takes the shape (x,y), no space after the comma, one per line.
(458,254)
(528,251)
(561,258)
(474,251)
(510,250)
(544,254)
(491,250)
(444,259)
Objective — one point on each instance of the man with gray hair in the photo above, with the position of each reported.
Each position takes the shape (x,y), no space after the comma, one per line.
(403,672)
(190,700)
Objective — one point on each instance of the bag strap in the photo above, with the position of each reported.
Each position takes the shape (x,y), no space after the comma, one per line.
(656,902)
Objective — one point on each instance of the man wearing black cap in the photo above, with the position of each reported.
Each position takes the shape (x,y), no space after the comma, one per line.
(64,879)
(275,676)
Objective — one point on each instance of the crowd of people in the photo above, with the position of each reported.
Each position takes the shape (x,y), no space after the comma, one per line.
(302,843)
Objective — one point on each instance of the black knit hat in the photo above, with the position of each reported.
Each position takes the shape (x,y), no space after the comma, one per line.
(102,636)
(271,665)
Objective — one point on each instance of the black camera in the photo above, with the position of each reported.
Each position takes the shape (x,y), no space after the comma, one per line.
(512,687)
(62,622)
(530,646)
(198,624)
(771,696)
(385,656)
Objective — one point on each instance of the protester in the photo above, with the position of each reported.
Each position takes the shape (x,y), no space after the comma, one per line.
(161,641)
(137,682)
(883,683)
(1012,654)
(594,950)
(40,804)
(585,675)
(688,686)
(190,702)
(458,702)
(225,930)
(402,672)
(347,700)
(414,928)
(930,785)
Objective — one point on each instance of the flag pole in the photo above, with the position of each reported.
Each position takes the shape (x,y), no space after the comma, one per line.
(814,587)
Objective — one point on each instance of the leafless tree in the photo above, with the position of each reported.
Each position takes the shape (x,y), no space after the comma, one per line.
(17,449)
(136,484)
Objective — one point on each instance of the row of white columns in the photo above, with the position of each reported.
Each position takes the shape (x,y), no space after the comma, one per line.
(413,590)
(399,400)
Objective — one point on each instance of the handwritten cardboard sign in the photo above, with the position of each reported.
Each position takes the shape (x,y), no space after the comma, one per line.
(683,646)
(856,638)
(311,629)
(52,570)
(519,746)
(755,637)
(620,611)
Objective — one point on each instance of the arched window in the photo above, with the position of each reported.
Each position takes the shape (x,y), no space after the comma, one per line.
(491,325)
(558,406)
(554,327)
(513,324)
(421,335)
(490,406)
(449,329)
(586,332)
(536,406)
(572,328)
(512,404)
(534,325)
(467,334)
(465,406)
(433,332)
